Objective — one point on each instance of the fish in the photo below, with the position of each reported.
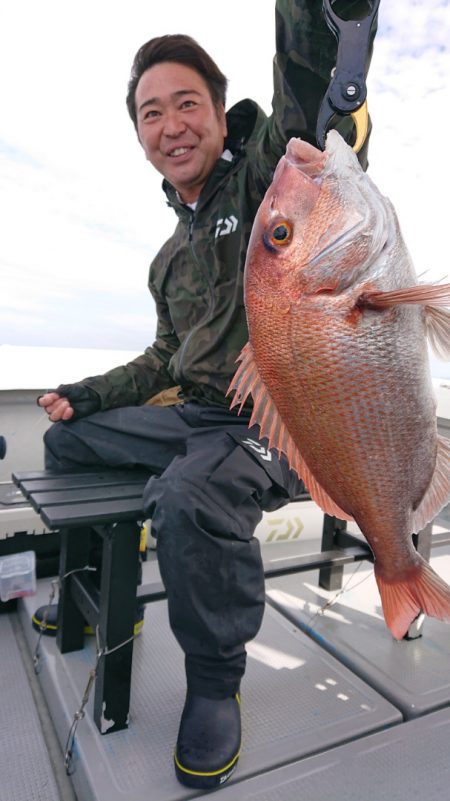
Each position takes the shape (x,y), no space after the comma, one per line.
(337,363)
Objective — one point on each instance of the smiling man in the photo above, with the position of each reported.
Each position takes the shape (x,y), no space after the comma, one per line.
(211,476)
(179,127)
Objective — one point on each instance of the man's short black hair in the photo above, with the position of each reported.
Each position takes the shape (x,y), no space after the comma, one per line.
(182,50)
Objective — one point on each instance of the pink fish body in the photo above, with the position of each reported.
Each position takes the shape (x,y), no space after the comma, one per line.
(337,363)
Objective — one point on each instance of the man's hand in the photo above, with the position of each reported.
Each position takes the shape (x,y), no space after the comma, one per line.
(57,408)
(70,401)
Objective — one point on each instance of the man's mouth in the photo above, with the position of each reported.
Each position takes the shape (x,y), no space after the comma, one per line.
(179,151)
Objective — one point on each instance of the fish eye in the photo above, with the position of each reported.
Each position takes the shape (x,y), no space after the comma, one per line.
(278,235)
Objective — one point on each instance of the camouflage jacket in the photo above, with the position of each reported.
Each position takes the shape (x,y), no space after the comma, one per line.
(196,278)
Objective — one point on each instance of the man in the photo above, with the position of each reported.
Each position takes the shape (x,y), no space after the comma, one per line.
(211,477)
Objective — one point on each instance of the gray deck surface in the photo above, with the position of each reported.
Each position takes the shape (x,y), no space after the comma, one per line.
(324,708)
(414,675)
(410,762)
(286,713)
(25,769)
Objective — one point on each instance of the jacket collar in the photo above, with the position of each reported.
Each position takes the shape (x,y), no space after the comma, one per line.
(241,125)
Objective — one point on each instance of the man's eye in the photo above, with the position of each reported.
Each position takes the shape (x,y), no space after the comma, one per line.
(188,104)
(151,114)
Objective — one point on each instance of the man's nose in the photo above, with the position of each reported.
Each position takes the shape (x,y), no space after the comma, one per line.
(174,123)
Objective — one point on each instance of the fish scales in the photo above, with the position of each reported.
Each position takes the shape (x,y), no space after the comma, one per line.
(356,427)
(340,367)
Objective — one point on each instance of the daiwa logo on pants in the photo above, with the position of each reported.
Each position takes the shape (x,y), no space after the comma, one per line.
(226,225)
(263,452)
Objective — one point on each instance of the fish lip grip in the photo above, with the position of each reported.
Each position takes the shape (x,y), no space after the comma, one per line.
(347,92)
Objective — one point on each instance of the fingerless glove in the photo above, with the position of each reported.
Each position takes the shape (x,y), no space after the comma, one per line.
(83,400)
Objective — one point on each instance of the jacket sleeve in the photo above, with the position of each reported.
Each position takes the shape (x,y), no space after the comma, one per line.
(306,52)
(136,382)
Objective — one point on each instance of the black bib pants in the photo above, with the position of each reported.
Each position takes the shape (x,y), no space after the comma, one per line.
(212,479)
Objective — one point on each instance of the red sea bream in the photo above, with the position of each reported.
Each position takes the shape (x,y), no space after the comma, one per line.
(337,363)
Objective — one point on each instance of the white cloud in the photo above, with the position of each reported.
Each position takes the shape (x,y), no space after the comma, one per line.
(82,213)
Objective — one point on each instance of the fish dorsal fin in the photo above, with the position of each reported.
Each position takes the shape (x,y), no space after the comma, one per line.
(438,493)
(438,331)
(247,381)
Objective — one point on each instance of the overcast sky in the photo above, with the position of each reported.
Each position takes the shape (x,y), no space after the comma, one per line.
(82,213)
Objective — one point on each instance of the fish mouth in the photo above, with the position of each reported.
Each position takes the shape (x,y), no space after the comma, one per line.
(306,158)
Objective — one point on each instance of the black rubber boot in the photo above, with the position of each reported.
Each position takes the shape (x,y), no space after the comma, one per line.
(209,741)
(51,625)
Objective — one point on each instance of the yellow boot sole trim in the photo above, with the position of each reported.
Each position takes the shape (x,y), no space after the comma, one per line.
(207,773)
(38,622)
(212,772)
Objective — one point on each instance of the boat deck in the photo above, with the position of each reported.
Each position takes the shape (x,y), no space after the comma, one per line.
(333,708)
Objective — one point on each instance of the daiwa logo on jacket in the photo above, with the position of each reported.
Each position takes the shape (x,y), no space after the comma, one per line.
(226,225)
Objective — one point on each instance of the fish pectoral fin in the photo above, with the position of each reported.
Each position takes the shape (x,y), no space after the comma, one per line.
(430,295)
(247,381)
(438,492)
(438,331)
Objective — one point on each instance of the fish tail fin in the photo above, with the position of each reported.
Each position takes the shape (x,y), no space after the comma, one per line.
(420,591)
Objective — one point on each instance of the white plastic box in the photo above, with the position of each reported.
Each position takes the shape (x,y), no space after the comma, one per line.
(17,575)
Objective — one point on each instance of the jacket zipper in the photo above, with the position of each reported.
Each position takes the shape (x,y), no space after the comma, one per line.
(210,287)
(211,297)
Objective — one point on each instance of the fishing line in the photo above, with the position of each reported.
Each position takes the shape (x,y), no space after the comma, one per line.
(39,423)
(42,419)
(333,600)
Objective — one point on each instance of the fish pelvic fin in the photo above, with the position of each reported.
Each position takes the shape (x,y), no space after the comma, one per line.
(421,591)
(247,381)
(429,295)
(438,493)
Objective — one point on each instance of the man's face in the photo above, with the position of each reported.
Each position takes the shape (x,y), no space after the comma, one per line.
(179,127)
